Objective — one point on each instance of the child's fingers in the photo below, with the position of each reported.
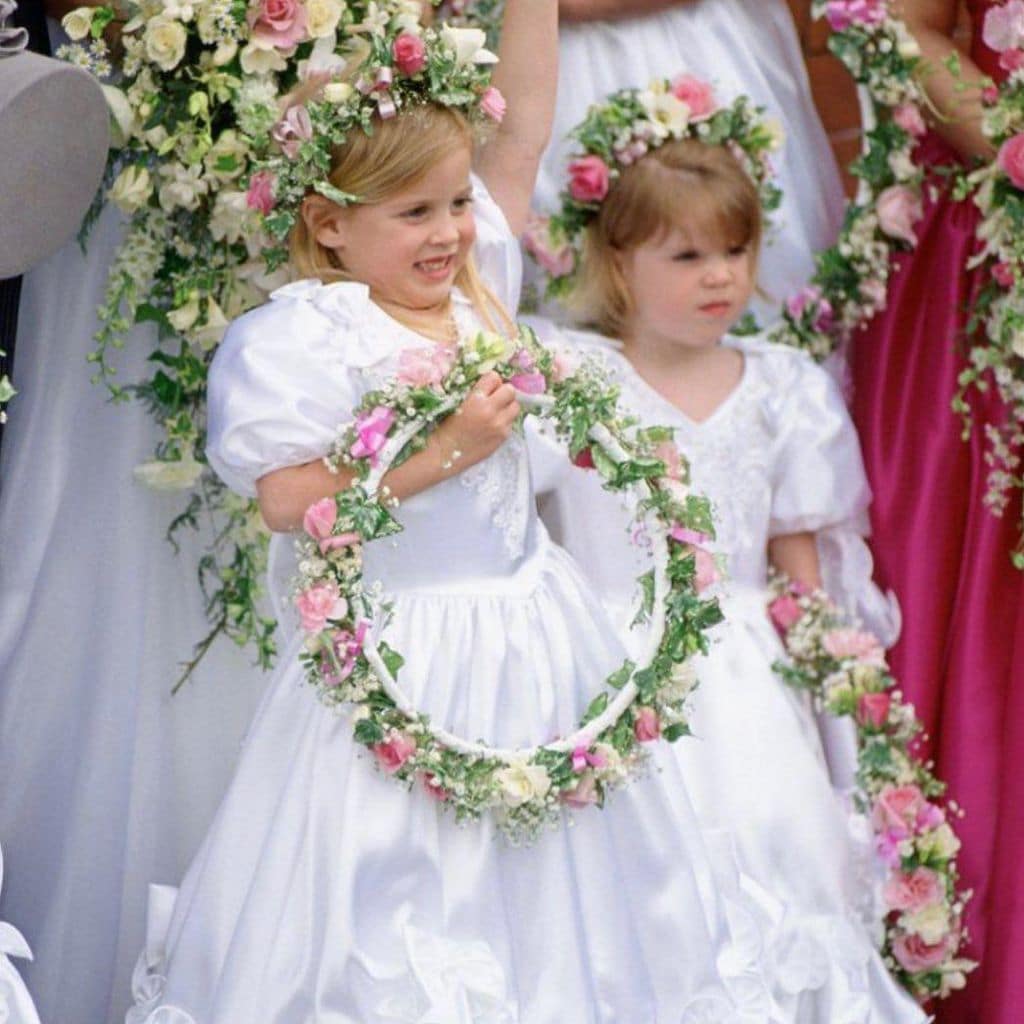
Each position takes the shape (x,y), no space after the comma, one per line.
(487,384)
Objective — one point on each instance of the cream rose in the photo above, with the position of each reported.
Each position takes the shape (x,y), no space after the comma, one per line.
(337,92)
(522,782)
(468,45)
(931,923)
(78,23)
(131,189)
(322,17)
(256,60)
(169,476)
(669,114)
(165,42)
(225,53)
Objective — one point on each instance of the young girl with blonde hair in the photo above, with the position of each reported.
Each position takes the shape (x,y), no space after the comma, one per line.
(665,230)
(324,892)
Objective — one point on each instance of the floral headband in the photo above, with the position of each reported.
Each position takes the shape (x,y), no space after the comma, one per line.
(389,63)
(617,133)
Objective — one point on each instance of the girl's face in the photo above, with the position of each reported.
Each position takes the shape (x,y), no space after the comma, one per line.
(409,247)
(687,290)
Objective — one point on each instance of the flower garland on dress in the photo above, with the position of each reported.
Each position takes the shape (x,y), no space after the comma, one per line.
(525,789)
(846,672)
(996,325)
(617,133)
(202,100)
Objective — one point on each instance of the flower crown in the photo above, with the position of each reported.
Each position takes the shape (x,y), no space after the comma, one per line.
(388,63)
(622,129)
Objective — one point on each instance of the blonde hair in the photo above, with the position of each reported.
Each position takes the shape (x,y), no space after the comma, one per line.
(399,152)
(689,185)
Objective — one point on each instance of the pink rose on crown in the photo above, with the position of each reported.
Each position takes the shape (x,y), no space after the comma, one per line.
(589,179)
(698,96)
(1010,160)
(556,258)
(278,23)
(409,53)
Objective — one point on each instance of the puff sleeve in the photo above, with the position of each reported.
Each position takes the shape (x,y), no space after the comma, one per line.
(819,486)
(279,386)
(497,252)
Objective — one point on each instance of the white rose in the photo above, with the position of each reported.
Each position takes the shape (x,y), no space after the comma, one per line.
(131,189)
(322,17)
(209,336)
(931,923)
(258,61)
(182,186)
(683,682)
(169,476)
(78,23)
(337,92)
(521,782)
(124,117)
(230,215)
(177,9)
(669,114)
(165,42)
(225,159)
(225,53)
(468,45)
(184,316)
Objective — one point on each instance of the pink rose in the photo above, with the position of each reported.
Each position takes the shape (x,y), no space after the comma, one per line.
(812,297)
(1012,60)
(280,23)
(583,459)
(668,452)
(1011,160)
(873,709)
(424,367)
(433,788)
(372,433)
(899,209)
(529,383)
(1003,274)
(647,726)
(915,955)
(410,53)
(841,14)
(260,195)
(909,118)
(696,94)
(1003,28)
(320,518)
(292,130)
(347,646)
(493,104)
(589,179)
(785,612)
(897,808)
(582,758)
(556,259)
(856,644)
(318,604)
(584,793)
(921,888)
(394,751)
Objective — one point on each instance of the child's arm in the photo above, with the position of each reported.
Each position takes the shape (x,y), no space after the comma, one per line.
(527,77)
(480,426)
(796,555)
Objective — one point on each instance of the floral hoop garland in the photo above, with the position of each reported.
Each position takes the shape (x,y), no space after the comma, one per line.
(527,788)
(846,672)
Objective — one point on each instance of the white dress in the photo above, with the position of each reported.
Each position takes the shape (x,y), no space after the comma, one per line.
(779,455)
(743,47)
(324,891)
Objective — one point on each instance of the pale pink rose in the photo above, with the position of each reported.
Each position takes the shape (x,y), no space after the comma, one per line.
(318,604)
(873,709)
(433,788)
(909,118)
(394,751)
(785,612)
(557,260)
(589,179)
(493,104)
(260,195)
(707,571)
(582,758)
(647,726)
(280,23)
(561,367)
(372,433)
(529,383)
(292,130)
(897,808)
(1003,274)
(1003,28)
(899,209)
(424,367)
(841,14)
(1011,159)
(410,53)
(320,518)
(915,891)
(915,955)
(668,452)
(584,793)
(856,644)
(696,94)
(1012,60)
(812,297)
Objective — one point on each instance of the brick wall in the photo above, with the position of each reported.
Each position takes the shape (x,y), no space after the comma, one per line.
(833,89)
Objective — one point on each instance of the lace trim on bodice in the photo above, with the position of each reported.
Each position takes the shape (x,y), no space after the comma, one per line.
(502,480)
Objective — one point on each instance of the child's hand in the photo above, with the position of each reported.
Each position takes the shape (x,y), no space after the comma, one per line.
(481,424)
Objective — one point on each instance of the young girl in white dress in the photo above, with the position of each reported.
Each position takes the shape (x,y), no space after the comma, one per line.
(669,258)
(324,891)
(741,47)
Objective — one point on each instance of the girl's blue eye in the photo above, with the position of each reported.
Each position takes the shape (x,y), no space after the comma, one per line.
(687,256)
(416,211)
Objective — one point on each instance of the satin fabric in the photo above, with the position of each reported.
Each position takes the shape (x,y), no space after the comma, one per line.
(777,456)
(742,48)
(961,656)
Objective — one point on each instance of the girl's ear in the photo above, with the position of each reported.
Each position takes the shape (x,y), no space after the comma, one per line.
(325,221)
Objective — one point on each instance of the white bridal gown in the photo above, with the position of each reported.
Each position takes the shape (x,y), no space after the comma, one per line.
(325,891)
(742,47)
(779,455)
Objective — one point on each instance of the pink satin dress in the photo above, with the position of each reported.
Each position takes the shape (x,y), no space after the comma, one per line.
(960,659)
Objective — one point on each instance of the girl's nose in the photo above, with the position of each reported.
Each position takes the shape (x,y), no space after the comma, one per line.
(446,231)
(718,272)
